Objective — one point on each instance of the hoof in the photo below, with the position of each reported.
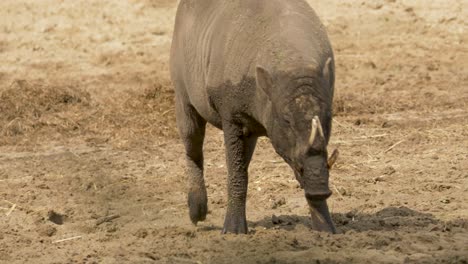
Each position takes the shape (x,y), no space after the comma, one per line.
(235,225)
(198,206)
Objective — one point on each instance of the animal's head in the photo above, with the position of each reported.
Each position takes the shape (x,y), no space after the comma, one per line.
(300,124)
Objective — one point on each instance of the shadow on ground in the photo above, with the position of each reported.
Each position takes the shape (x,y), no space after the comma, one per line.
(387,219)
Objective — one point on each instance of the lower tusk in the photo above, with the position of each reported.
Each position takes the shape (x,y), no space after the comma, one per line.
(333,158)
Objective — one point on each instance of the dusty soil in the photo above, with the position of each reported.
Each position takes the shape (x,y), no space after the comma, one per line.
(91,170)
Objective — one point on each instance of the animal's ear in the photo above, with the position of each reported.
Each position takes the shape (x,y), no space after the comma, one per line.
(327,71)
(264,80)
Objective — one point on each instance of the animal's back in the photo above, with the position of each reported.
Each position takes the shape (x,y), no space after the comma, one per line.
(216,42)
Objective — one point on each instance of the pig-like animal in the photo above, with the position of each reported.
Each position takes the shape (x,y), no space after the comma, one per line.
(254,68)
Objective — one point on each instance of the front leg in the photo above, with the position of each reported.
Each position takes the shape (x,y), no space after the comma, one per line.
(239,149)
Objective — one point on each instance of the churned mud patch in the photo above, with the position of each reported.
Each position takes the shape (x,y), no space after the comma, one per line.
(91,170)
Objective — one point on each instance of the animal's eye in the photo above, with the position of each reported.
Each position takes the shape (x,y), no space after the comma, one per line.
(287,122)
(301,170)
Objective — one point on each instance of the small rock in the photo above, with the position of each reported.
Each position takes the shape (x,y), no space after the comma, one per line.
(191,234)
(351,214)
(380,81)
(278,202)
(375,6)
(275,220)
(389,170)
(111,229)
(286,221)
(381,243)
(418,258)
(380,178)
(295,242)
(434,228)
(343,191)
(151,256)
(445,201)
(386,124)
(370,64)
(141,233)
(55,217)
(432,67)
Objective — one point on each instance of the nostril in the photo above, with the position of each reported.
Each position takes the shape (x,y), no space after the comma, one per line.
(317,196)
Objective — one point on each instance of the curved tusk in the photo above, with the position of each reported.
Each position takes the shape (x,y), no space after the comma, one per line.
(320,129)
(313,132)
(315,126)
(333,158)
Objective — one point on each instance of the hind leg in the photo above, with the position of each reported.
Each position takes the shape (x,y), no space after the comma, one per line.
(192,131)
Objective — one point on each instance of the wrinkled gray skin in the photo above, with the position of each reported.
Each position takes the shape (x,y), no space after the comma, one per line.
(253,68)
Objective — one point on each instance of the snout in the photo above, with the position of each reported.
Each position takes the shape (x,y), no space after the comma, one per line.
(315,183)
(318,196)
(321,219)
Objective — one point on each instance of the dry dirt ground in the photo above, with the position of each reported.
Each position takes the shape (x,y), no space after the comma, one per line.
(91,170)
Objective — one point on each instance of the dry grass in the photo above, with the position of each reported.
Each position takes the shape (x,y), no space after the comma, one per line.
(31,107)
(36,111)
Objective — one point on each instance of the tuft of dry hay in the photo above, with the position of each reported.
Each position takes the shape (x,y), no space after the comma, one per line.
(27,107)
(135,115)
(66,239)
(11,210)
(394,145)
(105,219)
(35,111)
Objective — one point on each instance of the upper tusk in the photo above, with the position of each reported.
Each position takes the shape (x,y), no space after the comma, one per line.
(313,132)
(320,129)
(315,126)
